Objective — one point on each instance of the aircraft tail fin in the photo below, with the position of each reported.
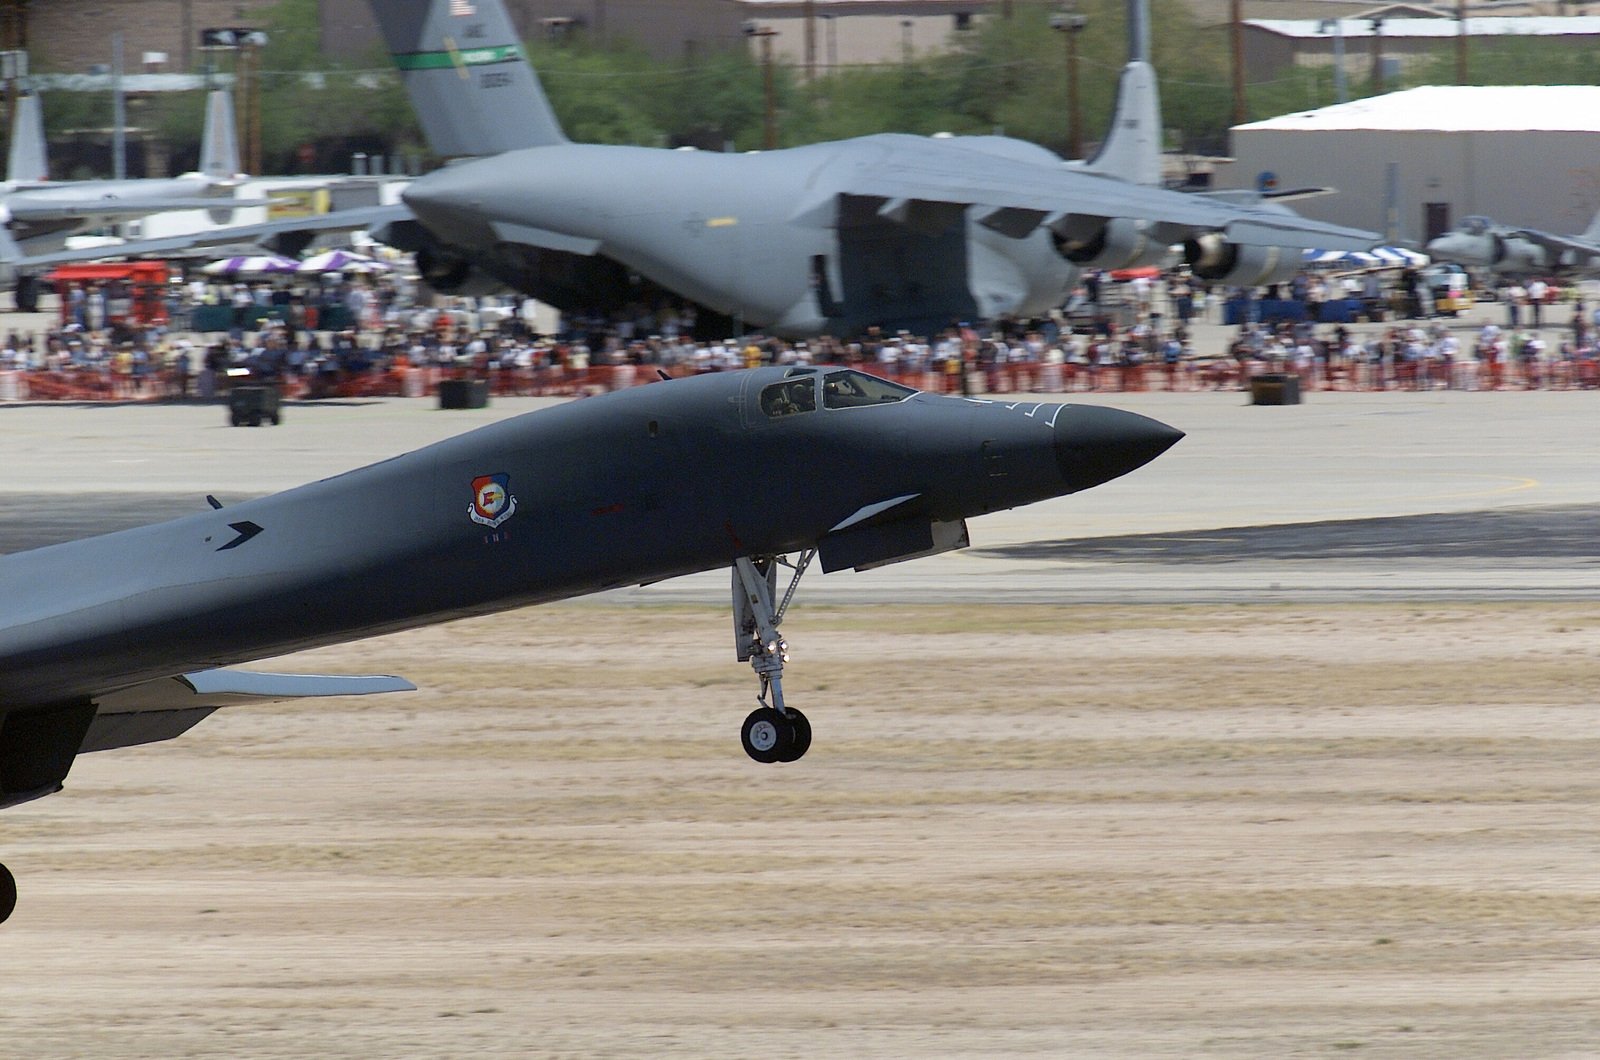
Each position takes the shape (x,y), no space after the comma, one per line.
(467,75)
(26,163)
(219,145)
(1132,149)
(1592,233)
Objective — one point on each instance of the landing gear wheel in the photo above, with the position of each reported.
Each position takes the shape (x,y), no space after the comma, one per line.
(8,893)
(802,737)
(767,735)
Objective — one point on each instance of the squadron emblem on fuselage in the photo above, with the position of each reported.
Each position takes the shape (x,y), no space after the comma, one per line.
(492,502)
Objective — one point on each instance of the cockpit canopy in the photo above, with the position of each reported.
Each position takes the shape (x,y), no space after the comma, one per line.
(842,388)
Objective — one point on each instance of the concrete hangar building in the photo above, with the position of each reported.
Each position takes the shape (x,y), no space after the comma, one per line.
(1522,154)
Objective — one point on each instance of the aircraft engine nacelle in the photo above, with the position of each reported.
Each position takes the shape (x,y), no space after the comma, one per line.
(1215,260)
(451,274)
(1120,243)
(1520,255)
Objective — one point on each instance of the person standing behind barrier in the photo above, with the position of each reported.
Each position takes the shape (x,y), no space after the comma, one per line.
(1514,295)
(1538,291)
(1182,295)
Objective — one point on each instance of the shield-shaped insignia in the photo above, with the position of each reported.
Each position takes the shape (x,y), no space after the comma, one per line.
(492,502)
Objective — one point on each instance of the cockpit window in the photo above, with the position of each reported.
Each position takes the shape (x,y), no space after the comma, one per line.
(849,389)
(790,397)
(1475,225)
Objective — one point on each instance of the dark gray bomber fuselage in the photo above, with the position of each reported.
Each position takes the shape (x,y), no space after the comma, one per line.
(633,487)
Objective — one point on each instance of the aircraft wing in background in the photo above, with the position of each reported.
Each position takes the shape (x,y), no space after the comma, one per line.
(298,229)
(916,174)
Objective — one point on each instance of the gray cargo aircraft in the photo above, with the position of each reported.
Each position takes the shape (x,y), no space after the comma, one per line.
(117,640)
(890,230)
(1505,249)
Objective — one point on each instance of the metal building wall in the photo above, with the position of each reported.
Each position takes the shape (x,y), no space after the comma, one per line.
(1548,180)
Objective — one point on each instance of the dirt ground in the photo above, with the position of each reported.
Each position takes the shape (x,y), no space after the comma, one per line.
(1246,831)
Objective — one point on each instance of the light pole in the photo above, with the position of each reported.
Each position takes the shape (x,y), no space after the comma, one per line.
(1069,24)
(769,124)
(1377,54)
(810,15)
(1336,27)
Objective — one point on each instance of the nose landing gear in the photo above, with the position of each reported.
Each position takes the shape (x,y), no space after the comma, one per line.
(773,732)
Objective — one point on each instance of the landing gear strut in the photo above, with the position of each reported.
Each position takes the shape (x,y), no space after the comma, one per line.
(8,893)
(773,732)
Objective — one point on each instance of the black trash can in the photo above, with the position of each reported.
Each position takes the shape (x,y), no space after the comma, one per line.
(252,405)
(464,394)
(1275,388)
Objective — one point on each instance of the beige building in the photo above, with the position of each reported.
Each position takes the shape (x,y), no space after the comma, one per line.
(73,35)
(1272,46)
(843,32)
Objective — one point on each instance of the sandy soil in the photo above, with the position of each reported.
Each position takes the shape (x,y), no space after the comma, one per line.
(1152,831)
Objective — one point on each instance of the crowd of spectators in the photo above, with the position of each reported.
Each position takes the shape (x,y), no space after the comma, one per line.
(1128,334)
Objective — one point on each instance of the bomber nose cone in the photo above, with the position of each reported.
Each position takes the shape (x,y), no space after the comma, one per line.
(1095,444)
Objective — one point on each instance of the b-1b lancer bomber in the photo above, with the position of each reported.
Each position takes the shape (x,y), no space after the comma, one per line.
(120,639)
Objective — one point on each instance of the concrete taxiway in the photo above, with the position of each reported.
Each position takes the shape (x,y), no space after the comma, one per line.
(1347,496)
(1255,827)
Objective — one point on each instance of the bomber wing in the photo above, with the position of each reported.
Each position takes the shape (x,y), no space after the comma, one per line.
(170,706)
(911,171)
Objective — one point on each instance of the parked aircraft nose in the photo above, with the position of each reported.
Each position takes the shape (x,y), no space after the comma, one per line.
(451,199)
(1472,250)
(1095,444)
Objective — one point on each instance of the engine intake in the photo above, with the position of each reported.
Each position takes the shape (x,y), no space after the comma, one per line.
(1215,260)
(1120,243)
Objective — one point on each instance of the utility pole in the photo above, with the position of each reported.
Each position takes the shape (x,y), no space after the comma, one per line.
(1461,42)
(1377,54)
(1069,24)
(1341,91)
(769,124)
(1236,40)
(119,112)
(810,15)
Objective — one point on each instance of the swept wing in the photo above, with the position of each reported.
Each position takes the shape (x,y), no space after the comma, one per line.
(912,169)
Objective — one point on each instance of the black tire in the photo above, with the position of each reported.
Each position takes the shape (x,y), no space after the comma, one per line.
(277,418)
(766,735)
(8,893)
(238,420)
(802,737)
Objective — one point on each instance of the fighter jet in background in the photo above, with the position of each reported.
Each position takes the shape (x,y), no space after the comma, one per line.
(1479,242)
(115,640)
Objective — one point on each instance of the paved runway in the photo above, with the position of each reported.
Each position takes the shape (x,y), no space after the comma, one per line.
(1100,831)
(1348,496)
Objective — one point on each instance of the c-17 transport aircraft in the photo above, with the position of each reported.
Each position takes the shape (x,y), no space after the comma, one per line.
(890,230)
(1508,250)
(119,639)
